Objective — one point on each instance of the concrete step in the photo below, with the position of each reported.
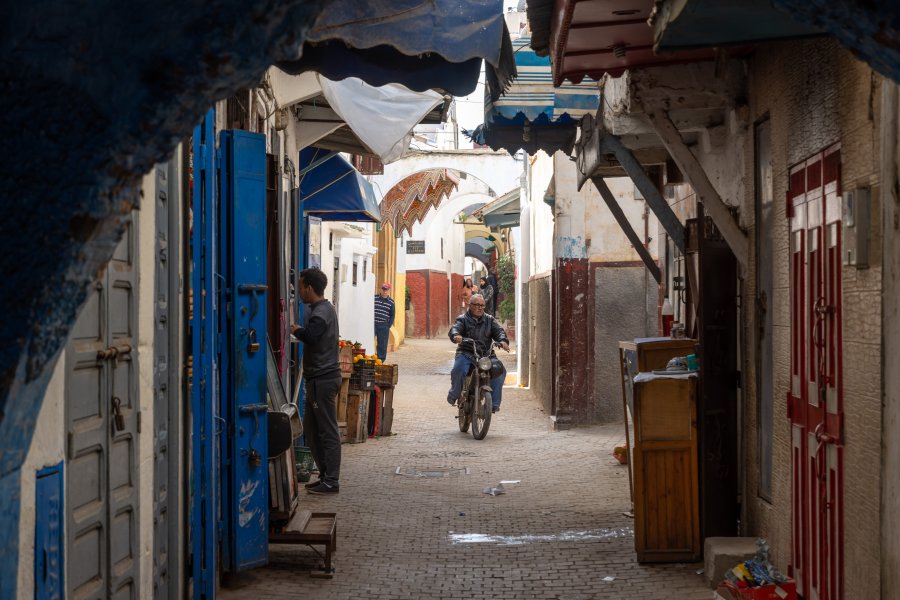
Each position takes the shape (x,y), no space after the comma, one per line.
(723,553)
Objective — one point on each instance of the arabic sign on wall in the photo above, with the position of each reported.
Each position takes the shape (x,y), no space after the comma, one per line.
(415,246)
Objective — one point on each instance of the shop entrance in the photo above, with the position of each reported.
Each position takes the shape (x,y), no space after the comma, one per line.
(815,400)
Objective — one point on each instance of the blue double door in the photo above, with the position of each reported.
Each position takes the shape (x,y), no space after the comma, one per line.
(230,501)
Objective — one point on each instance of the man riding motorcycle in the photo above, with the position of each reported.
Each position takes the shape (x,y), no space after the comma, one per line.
(484,329)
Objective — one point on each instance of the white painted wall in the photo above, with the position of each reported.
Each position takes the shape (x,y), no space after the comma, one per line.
(146,305)
(496,169)
(442,224)
(585,226)
(540,215)
(355,303)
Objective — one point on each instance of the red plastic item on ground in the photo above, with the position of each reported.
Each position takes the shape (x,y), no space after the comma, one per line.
(780,591)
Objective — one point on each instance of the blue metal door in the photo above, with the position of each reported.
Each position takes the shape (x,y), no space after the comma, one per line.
(245,498)
(205,377)
(48,551)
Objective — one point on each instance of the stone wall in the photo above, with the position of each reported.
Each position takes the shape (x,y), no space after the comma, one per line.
(817,94)
(541,340)
(624,305)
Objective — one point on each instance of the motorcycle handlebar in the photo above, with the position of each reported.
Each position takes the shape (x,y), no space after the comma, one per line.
(475,346)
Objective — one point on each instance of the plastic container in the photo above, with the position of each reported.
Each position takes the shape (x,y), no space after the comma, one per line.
(305,463)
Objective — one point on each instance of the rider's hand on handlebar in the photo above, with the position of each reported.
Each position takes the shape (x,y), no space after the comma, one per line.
(457,339)
(505,346)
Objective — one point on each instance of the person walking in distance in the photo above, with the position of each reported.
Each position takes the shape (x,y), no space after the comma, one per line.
(466,293)
(487,290)
(384,320)
(322,372)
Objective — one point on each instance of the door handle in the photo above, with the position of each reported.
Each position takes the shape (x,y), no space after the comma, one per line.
(252,289)
(118,417)
(116,352)
(253,408)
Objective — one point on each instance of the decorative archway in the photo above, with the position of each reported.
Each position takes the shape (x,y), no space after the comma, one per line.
(407,202)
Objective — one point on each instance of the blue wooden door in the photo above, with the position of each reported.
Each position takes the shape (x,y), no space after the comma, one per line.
(204,345)
(48,550)
(243,254)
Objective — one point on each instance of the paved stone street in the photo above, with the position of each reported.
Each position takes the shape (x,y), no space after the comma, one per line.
(559,533)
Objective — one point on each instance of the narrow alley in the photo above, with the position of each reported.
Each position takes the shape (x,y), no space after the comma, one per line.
(559,533)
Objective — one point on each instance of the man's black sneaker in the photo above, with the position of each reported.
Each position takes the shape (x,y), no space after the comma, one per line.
(312,484)
(451,401)
(324,488)
(495,410)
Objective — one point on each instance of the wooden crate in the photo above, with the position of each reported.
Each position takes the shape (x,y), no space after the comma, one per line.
(341,401)
(387,411)
(666,488)
(386,375)
(345,356)
(357,417)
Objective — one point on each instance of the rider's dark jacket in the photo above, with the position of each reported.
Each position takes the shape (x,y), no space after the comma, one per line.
(483,331)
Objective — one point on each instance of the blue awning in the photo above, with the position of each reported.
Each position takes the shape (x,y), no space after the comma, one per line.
(533,115)
(423,45)
(331,189)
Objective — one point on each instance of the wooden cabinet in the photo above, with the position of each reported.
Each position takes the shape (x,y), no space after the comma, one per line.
(666,498)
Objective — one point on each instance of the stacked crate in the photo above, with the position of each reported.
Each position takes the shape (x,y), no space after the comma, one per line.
(386,377)
(346,361)
(362,379)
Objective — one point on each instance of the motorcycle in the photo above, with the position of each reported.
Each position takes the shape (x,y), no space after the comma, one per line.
(475,404)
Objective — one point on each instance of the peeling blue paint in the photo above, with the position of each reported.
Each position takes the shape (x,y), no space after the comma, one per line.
(571,247)
(248,488)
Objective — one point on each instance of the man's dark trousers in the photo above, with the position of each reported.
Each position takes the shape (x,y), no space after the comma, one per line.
(382,334)
(320,426)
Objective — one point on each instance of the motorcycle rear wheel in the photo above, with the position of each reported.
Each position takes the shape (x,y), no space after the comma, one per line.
(481,417)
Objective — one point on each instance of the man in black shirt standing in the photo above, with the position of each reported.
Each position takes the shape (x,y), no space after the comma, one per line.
(322,372)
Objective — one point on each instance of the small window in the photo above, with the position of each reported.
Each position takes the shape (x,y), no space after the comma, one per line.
(442,247)
(365,268)
(331,240)
(355,271)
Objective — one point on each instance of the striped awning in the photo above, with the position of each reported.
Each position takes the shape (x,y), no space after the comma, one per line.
(532,97)
(409,200)
(532,114)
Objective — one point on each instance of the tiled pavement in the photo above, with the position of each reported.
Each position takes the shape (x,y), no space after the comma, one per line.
(560,533)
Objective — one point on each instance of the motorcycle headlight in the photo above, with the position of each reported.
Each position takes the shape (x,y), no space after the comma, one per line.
(484,363)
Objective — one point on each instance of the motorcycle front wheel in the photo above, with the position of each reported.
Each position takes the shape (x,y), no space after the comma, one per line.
(464,417)
(481,420)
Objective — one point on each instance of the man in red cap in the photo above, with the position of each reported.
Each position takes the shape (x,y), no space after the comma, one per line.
(384,319)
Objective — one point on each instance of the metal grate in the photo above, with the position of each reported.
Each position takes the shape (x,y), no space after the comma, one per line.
(432,472)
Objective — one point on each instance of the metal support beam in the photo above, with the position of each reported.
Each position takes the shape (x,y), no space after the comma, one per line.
(623,222)
(667,217)
(593,147)
(696,176)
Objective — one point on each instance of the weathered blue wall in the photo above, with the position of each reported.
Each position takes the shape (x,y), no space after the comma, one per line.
(92,94)
(870,29)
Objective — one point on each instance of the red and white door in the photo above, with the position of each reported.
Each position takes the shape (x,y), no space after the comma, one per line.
(815,400)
